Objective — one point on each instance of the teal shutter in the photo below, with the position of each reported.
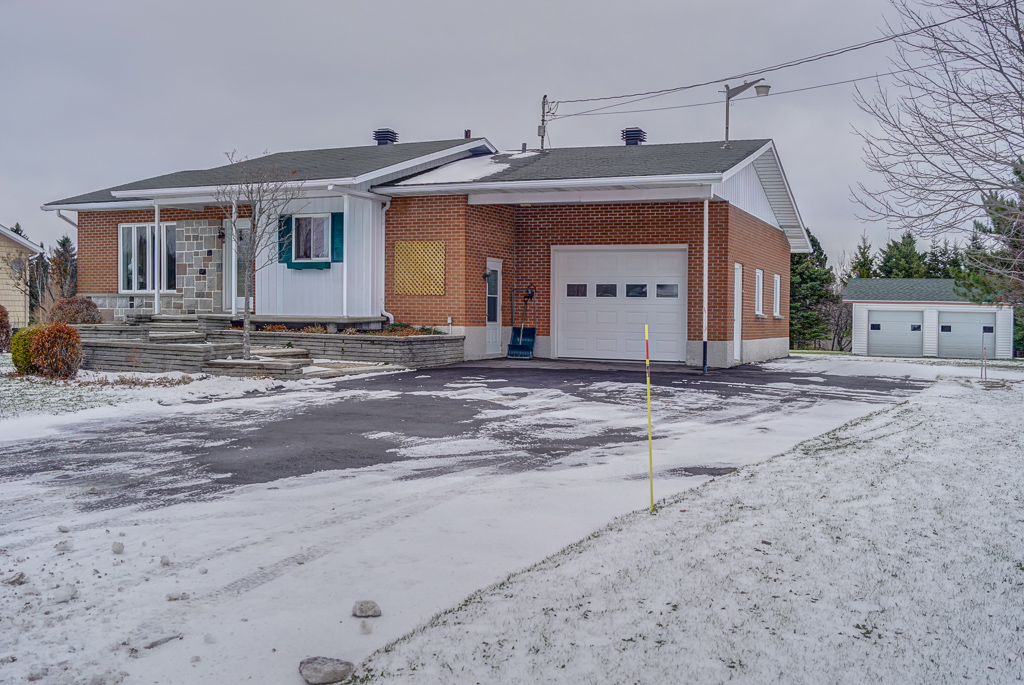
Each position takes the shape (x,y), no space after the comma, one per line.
(284,240)
(338,237)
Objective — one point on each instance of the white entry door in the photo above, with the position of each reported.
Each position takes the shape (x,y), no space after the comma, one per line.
(604,296)
(737,313)
(493,345)
(234,291)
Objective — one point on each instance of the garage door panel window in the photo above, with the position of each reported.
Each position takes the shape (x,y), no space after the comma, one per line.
(576,290)
(667,290)
(914,327)
(876,326)
(946,329)
(636,290)
(607,290)
(988,329)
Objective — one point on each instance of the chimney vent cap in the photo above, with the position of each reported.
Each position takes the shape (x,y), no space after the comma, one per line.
(634,136)
(385,136)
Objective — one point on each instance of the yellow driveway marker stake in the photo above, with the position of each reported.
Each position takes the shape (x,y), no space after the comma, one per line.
(650,438)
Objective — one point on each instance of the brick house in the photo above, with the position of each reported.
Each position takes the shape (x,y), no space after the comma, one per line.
(450,233)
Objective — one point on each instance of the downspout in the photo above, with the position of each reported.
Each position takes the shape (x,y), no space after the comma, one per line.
(61,216)
(385,206)
(158,254)
(704,308)
(234,259)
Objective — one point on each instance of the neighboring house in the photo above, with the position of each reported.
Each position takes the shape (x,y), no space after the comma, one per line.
(440,233)
(924,317)
(15,253)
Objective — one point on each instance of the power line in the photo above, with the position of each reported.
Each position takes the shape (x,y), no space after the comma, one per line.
(777,67)
(719,102)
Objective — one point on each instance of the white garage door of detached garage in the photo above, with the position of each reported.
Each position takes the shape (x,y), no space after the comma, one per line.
(603,296)
(895,334)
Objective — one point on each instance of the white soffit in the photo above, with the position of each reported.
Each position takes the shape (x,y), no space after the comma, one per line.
(773,179)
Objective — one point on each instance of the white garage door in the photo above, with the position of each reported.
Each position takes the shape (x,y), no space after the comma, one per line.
(895,334)
(604,297)
(963,335)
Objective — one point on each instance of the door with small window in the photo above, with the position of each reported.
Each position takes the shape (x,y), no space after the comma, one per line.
(493,328)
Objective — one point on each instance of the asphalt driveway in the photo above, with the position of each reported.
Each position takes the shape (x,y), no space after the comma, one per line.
(498,415)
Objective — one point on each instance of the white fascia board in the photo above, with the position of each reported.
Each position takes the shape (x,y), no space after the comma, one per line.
(100,206)
(747,161)
(926,304)
(698,192)
(553,184)
(24,242)
(211,191)
(425,159)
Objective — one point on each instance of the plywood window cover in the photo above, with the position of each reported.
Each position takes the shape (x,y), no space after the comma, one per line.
(419,267)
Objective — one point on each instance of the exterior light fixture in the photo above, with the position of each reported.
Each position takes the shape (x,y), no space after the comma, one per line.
(730,93)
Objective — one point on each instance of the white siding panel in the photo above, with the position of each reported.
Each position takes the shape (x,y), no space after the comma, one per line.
(931,332)
(359,256)
(860,329)
(744,190)
(1004,333)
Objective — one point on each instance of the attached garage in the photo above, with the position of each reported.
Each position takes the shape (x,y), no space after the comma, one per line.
(895,333)
(603,296)
(924,317)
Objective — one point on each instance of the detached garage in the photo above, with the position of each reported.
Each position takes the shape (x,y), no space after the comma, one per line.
(924,317)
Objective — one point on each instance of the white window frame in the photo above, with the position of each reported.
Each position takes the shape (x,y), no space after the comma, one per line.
(150,246)
(759,292)
(777,296)
(328,244)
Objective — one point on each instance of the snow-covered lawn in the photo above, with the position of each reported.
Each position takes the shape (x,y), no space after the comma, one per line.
(271,570)
(889,550)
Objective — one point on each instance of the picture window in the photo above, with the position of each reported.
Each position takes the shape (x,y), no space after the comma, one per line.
(607,290)
(636,290)
(576,290)
(667,290)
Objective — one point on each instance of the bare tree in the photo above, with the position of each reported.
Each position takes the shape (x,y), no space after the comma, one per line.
(259,191)
(28,274)
(839,315)
(951,132)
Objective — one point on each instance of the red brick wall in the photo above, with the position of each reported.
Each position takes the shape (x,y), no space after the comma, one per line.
(664,223)
(489,233)
(428,218)
(758,245)
(97,242)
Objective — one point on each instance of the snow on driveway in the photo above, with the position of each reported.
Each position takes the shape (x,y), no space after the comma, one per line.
(270,571)
(889,550)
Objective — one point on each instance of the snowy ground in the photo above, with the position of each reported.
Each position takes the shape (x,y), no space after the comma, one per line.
(888,551)
(271,570)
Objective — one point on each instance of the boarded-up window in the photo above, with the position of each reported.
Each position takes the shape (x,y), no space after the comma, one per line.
(419,267)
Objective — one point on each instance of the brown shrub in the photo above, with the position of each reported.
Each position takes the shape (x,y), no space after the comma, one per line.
(5,330)
(75,310)
(315,328)
(274,328)
(57,351)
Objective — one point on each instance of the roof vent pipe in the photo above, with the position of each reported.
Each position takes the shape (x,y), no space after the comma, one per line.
(634,136)
(469,134)
(385,136)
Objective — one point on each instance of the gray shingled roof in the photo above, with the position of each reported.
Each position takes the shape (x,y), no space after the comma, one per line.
(620,160)
(345,162)
(901,290)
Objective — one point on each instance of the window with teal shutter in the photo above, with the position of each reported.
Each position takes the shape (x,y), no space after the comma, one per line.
(284,240)
(337,237)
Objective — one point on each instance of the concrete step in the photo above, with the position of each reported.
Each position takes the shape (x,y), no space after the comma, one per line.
(279,352)
(176,337)
(340,369)
(284,369)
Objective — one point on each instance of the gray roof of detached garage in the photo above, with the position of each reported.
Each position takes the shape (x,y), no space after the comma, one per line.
(616,161)
(901,290)
(307,165)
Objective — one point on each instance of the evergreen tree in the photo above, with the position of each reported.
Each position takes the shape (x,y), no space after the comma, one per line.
(809,292)
(900,259)
(863,264)
(18,229)
(64,268)
(943,260)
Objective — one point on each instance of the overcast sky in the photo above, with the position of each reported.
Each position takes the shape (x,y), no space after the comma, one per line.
(98,93)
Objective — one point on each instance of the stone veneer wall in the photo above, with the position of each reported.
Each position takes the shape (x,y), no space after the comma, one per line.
(200,267)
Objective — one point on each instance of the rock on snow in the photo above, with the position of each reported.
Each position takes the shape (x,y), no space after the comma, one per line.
(322,670)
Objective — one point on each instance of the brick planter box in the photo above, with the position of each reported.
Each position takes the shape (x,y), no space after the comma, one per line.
(415,351)
(140,356)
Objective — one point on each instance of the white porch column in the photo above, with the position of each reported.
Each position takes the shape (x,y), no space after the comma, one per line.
(234,258)
(704,291)
(158,258)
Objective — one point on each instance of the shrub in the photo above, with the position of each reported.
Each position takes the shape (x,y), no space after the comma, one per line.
(21,349)
(315,328)
(72,310)
(274,328)
(5,330)
(57,351)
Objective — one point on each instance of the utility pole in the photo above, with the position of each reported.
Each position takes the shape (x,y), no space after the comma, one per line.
(730,93)
(542,130)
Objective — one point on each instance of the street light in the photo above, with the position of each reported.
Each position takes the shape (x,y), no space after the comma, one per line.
(730,93)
